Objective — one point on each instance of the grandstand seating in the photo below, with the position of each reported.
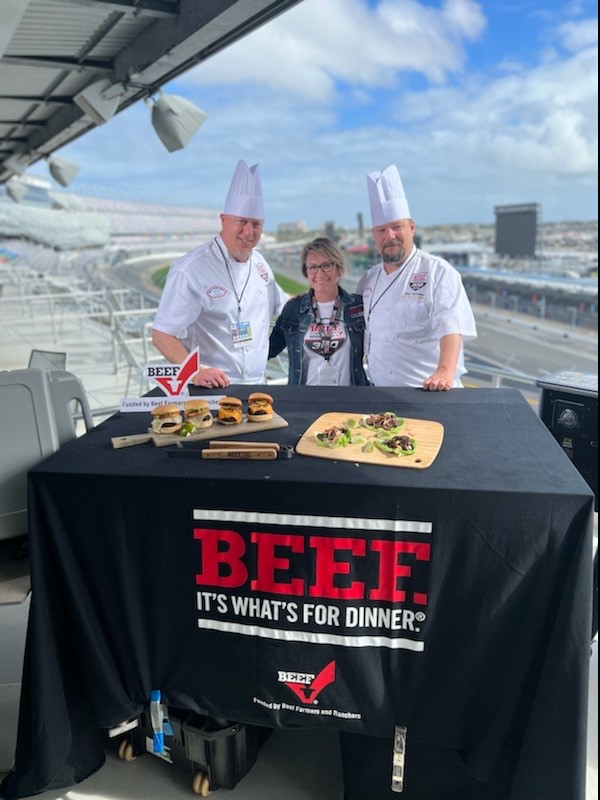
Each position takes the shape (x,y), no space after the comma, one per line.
(63,230)
(67,221)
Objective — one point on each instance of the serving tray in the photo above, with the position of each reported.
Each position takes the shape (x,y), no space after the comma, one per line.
(215,431)
(427,433)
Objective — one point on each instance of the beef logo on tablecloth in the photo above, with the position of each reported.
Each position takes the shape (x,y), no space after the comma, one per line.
(344,582)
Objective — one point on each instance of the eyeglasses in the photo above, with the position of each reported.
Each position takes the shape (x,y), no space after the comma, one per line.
(312,269)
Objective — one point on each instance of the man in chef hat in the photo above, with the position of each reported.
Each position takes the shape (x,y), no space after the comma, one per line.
(417,314)
(222,296)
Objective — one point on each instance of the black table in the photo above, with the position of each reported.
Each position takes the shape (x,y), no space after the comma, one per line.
(454,600)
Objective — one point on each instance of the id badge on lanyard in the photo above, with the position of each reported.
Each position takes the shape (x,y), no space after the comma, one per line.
(241,333)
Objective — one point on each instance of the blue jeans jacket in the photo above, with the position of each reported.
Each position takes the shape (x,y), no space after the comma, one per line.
(293,323)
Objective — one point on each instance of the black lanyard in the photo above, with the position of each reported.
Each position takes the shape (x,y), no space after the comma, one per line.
(238,297)
(325,331)
(389,286)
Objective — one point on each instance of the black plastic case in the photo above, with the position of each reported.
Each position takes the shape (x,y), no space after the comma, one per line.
(219,753)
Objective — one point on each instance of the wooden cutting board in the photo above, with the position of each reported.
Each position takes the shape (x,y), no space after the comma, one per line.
(216,431)
(427,433)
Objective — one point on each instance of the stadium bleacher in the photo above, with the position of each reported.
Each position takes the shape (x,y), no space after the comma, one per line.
(68,221)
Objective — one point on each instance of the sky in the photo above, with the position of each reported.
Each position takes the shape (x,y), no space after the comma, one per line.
(478,104)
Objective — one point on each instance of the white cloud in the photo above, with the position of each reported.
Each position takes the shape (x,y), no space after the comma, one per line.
(541,120)
(307,49)
(328,92)
(578,35)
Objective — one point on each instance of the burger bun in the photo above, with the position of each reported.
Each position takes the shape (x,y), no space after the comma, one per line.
(166,418)
(197,413)
(260,407)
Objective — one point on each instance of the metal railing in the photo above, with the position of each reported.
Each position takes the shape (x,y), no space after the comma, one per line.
(126,316)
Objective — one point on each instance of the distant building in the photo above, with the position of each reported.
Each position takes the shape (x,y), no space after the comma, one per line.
(287,231)
(516,229)
(330,232)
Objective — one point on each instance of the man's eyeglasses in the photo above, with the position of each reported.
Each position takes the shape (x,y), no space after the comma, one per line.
(312,269)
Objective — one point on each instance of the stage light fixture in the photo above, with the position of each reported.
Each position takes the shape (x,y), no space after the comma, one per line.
(100,99)
(175,120)
(15,190)
(17,163)
(62,171)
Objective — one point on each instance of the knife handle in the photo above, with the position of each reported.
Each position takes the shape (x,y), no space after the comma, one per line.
(258,455)
(129,441)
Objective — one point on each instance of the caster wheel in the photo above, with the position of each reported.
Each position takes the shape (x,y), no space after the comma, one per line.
(201,784)
(126,751)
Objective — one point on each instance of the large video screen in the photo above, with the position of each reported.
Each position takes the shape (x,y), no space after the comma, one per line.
(516,229)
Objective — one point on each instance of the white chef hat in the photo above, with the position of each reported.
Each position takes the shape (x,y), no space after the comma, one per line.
(245,197)
(386,196)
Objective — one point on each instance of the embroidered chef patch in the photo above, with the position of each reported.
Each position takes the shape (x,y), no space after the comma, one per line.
(262,272)
(418,281)
(216,291)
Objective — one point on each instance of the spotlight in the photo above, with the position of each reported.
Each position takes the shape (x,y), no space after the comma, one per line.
(100,99)
(17,163)
(62,171)
(175,120)
(16,191)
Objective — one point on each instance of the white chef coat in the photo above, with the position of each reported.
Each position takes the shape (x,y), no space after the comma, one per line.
(407,313)
(199,305)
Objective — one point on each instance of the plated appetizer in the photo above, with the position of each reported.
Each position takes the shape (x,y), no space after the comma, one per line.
(396,445)
(385,421)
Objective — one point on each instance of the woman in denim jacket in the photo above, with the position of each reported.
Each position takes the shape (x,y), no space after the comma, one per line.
(323,329)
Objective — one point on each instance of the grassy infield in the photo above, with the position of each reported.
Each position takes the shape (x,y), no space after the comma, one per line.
(287,284)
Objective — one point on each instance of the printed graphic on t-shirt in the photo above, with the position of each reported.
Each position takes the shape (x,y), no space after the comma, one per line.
(332,337)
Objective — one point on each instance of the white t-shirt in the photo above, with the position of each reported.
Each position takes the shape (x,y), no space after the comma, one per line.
(199,306)
(316,371)
(407,313)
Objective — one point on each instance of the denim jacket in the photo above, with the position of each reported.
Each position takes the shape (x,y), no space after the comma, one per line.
(294,321)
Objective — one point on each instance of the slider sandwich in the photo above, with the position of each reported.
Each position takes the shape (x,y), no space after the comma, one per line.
(260,407)
(229,411)
(166,418)
(197,415)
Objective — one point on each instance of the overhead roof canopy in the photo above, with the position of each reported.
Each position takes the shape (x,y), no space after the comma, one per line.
(53,49)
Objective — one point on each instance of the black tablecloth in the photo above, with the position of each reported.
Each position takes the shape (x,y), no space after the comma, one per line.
(454,600)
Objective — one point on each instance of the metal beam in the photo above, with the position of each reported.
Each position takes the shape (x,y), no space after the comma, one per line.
(30,123)
(67,64)
(58,100)
(159,9)
(200,26)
